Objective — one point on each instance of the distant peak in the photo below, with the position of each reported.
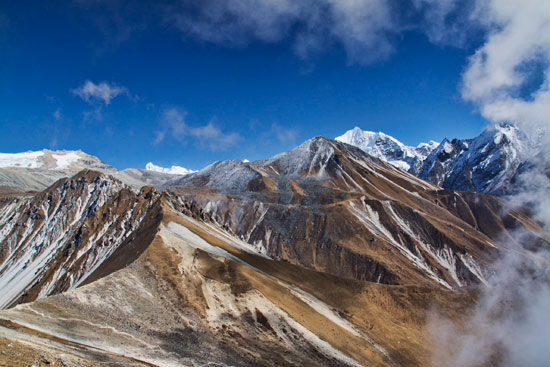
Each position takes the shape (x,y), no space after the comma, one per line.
(386,147)
(174,170)
(50,159)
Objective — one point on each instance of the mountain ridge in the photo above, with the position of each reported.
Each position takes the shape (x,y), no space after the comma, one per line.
(284,204)
(487,163)
(36,170)
(388,148)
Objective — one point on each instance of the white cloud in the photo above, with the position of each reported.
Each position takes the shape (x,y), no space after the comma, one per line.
(102,92)
(211,136)
(450,22)
(504,66)
(173,125)
(173,122)
(508,78)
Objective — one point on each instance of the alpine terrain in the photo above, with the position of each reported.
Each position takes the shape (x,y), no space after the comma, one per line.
(320,256)
(36,170)
(488,163)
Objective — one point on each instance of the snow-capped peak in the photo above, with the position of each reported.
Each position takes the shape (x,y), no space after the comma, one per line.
(486,163)
(174,170)
(26,160)
(50,160)
(387,148)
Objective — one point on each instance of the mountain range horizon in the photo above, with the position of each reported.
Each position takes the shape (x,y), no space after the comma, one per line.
(377,144)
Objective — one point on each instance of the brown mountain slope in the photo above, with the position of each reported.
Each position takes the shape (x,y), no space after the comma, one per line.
(330,207)
(196,296)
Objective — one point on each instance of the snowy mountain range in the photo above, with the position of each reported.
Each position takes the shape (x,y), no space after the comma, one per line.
(36,170)
(487,163)
(387,148)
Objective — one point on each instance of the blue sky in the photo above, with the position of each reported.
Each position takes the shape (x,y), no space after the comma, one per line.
(166,83)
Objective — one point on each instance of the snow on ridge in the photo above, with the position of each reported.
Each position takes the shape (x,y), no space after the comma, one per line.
(174,170)
(387,148)
(46,159)
(27,159)
(63,161)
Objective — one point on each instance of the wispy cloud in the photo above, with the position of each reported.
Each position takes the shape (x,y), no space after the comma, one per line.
(100,93)
(173,125)
(364,28)
(212,136)
(448,22)
(283,135)
(57,115)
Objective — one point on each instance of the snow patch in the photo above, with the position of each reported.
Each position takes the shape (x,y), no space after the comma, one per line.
(25,160)
(174,170)
(63,161)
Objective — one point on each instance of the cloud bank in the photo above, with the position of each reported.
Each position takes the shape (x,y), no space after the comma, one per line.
(508,77)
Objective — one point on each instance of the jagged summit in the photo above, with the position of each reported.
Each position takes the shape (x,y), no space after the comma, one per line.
(388,148)
(487,163)
(309,158)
